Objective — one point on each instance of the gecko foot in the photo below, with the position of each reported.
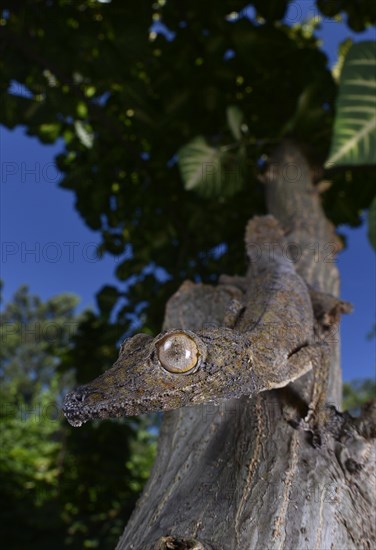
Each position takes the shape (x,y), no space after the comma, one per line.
(309,426)
(307,420)
(314,428)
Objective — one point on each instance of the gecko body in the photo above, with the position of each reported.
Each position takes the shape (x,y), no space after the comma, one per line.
(265,342)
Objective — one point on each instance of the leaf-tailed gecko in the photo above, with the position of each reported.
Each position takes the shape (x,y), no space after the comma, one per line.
(264,343)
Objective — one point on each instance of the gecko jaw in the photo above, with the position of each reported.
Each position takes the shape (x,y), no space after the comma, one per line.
(78,413)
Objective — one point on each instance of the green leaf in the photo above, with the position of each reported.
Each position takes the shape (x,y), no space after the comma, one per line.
(209,171)
(235,119)
(106,299)
(82,111)
(200,165)
(86,137)
(48,133)
(343,50)
(354,136)
(372,223)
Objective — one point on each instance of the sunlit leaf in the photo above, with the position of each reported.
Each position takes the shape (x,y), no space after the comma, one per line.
(208,170)
(354,137)
(85,137)
(49,132)
(235,119)
(343,50)
(200,165)
(82,109)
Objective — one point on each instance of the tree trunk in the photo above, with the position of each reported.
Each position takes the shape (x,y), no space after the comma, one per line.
(238,475)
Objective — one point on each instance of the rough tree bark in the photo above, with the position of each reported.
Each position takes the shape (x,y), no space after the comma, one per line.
(240,476)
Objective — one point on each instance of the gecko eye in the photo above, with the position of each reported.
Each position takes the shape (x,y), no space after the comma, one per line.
(177,353)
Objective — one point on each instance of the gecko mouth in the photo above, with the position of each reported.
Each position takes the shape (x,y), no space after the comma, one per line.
(78,410)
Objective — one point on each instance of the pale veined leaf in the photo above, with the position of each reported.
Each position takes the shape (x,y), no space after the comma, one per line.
(354,135)
(208,170)
(235,119)
(86,137)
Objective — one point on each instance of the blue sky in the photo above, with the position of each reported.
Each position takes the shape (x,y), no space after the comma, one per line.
(46,244)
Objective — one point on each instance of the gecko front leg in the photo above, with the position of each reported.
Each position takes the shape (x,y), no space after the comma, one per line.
(310,413)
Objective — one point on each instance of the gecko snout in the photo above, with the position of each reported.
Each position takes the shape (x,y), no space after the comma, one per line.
(72,405)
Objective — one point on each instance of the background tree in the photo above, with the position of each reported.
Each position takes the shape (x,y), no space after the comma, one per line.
(126,98)
(57,488)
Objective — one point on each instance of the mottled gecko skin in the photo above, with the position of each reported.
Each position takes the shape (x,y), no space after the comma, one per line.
(264,343)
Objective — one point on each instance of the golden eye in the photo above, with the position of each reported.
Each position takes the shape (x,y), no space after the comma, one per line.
(177,353)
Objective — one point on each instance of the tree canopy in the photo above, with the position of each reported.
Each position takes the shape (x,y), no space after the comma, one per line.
(126,85)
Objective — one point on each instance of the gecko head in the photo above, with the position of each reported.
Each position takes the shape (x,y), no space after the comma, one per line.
(176,369)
